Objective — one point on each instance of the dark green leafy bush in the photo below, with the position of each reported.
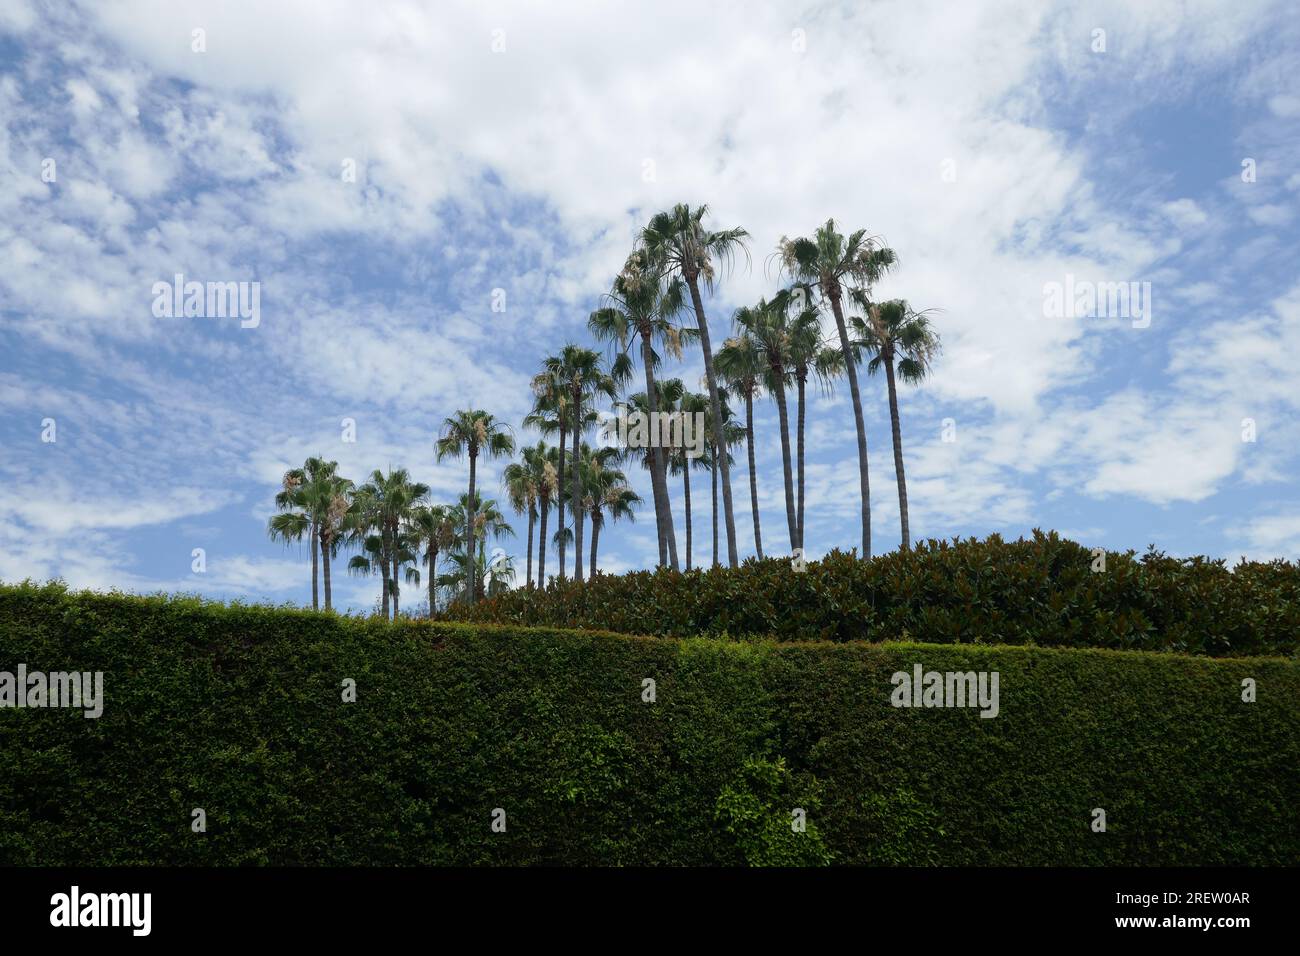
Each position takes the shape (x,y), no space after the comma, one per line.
(238,710)
(1038,591)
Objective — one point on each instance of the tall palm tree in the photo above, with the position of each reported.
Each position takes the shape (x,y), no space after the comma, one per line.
(806,353)
(828,260)
(896,337)
(473,432)
(680,245)
(645,306)
(765,325)
(550,416)
(740,367)
(433,529)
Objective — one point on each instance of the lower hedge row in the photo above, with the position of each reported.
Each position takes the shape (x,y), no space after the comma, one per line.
(240,711)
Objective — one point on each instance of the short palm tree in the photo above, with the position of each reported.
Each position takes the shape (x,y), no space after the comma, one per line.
(521,490)
(686,404)
(827,261)
(378,521)
(607,496)
(489,523)
(680,245)
(473,432)
(296,520)
(432,530)
(901,339)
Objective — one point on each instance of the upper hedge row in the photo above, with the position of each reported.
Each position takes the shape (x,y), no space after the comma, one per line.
(1039,591)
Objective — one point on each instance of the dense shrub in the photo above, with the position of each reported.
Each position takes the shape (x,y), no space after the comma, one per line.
(1038,591)
(238,710)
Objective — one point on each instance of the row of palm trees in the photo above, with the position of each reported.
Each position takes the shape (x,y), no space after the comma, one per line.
(390,520)
(777,346)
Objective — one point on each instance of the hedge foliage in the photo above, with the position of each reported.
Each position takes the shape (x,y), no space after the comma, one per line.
(239,710)
(1038,591)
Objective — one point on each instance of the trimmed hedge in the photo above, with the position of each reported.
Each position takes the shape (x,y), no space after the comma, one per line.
(1037,591)
(238,710)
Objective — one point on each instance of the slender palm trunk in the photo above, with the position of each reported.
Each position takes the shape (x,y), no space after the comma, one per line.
(713,467)
(686,487)
(753,475)
(716,408)
(559,495)
(541,544)
(325,571)
(595,541)
(898,452)
(658,479)
(315,557)
(532,517)
(803,382)
(433,578)
(783,416)
(470,536)
(864,481)
(575,496)
(397,585)
(383,566)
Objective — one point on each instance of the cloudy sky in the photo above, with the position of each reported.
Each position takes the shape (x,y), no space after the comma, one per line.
(997,147)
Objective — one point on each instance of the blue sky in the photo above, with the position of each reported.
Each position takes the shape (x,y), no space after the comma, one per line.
(523,168)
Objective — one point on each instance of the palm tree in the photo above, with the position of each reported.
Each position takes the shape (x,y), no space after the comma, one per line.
(433,528)
(740,367)
(806,353)
(645,306)
(894,335)
(607,495)
(828,260)
(542,460)
(379,521)
(293,523)
(550,415)
(765,325)
(298,522)
(685,404)
(569,384)
(732,433)
(473,432)
(330,502)
(521,488)
(488,522)
(679,245)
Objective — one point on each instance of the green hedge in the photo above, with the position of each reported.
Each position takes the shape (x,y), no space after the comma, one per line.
(1038,591)
(238,710)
